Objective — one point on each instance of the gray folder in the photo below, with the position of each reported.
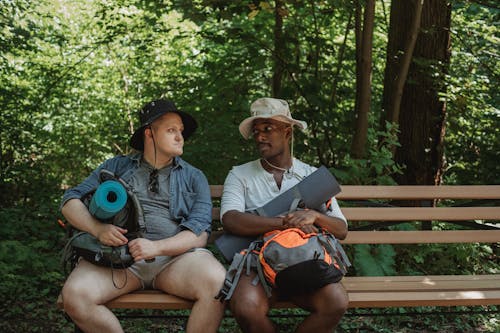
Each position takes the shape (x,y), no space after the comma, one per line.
(311,192)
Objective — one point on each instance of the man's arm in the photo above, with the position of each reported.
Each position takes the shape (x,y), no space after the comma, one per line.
(246,224)
(79,217)
(302,218)
(199,218)
(233,216)
(141,248)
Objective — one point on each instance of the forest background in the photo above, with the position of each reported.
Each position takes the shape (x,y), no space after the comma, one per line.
(395,92)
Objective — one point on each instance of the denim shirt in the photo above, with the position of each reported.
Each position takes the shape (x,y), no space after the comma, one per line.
(190,201)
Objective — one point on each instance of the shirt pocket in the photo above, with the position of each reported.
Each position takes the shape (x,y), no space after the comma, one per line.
(186,203)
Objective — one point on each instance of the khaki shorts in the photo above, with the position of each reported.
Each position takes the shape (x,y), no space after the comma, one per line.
(146,272)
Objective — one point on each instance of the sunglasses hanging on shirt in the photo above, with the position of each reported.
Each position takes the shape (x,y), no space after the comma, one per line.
(153,181)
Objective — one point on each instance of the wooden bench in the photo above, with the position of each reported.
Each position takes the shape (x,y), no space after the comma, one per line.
(394,291)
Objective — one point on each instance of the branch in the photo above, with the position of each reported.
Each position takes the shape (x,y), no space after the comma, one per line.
(395,103)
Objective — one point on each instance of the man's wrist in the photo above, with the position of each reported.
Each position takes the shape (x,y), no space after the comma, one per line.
(278,224)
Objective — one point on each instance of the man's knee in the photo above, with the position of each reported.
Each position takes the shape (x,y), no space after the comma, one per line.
(340,305)
(74,300)
(212,275)
(248,305)
(197,275)
(335,301)
(216,274)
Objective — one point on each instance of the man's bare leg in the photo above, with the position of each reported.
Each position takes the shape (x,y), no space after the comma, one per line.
(250,305)
(197,276)
(327,306)
(89,287)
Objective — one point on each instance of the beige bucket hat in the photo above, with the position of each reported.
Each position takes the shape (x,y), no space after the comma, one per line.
(267,107)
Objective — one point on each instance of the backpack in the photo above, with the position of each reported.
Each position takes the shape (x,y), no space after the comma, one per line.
(291,261)
(105,202)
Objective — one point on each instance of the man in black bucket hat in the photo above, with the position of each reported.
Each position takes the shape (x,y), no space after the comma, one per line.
(155,110)
(175,198)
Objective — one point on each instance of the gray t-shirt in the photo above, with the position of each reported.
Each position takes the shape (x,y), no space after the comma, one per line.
(159,224)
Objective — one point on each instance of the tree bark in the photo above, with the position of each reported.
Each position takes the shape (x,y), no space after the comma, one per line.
(421,113)
(363,78)
(279,48)
(398,60)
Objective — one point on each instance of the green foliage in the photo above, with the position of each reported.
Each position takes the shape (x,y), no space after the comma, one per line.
(378,166)
(473,135)
(462,259)
(74,73)
(374,260)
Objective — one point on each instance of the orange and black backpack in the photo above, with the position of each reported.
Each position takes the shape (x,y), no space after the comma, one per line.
(291,261)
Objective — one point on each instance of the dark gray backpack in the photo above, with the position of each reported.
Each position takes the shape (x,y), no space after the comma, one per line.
(130,217)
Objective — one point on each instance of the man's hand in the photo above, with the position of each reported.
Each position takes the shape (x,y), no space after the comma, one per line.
(309,229)
(300,218)
(142,248)
(111,235)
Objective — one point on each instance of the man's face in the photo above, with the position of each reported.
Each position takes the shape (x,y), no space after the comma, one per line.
(167,133)
(271,136)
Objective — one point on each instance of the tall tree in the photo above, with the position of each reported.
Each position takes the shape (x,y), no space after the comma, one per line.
(364,44)
(279,47)
(419,110)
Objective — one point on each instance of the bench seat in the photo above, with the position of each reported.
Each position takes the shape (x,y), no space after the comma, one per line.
(364,292)
(480,215)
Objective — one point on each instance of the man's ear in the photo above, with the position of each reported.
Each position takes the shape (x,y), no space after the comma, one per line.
(288,132)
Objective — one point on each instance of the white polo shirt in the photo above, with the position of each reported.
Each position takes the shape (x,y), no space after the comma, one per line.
(249,186)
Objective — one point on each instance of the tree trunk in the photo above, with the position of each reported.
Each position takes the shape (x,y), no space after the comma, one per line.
(279,48)
(399,54)
(421,112)
(363,77)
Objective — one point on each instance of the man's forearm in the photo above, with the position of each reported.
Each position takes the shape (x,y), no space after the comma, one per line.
(79,216)
(334,225)
(246,224)
(182,242)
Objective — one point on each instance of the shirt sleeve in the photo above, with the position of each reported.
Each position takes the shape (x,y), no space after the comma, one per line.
(334,210)
(199,217)
(233,195)
(86,186)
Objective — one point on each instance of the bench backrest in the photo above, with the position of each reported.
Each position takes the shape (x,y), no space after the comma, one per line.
(373,203)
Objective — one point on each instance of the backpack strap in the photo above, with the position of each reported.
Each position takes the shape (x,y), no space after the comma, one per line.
(333,247)
(294,205)
(245,260)
(139,212)
(262,279)
(233,275)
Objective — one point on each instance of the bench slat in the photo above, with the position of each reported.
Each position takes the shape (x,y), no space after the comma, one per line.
(423,298)
(423,283)
(216,191)
(406,192)
(427,279)
(157,300)
(411,213)
(420,213)
(418,192)
(422,237)
(363,292)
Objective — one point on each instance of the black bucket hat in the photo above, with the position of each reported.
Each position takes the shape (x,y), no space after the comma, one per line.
(154,110)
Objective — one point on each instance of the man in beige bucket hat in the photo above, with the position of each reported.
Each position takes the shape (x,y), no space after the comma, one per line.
(271,108)
(253,184)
